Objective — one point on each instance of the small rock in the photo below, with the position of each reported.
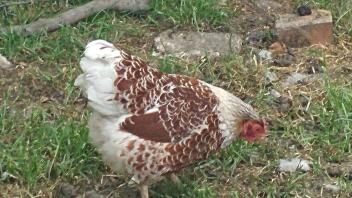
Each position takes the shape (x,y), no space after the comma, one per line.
(296,78)
(283,104)
(332,188)
(304,10)
(93,194)
(291,165)
(292,147)
(315,66)
(197,44)
(265,54)
(278,48)
(274,93)
(6,175)
(334,170)
(271,76)
(300,31)
(268,5)
(4,63)
(66,190)
(284,60)
(337,170)
(259,37)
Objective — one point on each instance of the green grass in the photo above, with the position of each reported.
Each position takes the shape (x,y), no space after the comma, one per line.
(199,13)
(335,115)
(43,121)
(42,147)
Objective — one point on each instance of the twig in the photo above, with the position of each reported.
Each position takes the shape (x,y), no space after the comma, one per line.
(69,17)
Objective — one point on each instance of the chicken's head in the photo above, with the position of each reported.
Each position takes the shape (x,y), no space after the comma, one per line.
(253,130)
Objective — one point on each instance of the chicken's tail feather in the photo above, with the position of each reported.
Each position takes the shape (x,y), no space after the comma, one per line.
(99,74)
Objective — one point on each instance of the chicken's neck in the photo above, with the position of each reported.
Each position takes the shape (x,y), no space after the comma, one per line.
(232,111)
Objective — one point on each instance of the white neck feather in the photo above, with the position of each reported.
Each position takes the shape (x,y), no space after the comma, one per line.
(231,109)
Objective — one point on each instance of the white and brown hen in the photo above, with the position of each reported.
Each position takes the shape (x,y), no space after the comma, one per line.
(148,124)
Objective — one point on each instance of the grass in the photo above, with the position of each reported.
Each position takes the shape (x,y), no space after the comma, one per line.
(34,148)
(43,119)
(200,14)
(336,117)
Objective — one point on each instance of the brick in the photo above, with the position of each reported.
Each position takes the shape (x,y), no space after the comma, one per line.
(300,31)
(268,5)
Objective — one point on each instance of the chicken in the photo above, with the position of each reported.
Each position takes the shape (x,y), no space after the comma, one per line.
(147,124)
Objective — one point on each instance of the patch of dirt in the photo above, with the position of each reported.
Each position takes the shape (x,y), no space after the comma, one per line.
(65,190)
(253,18)
(108,186)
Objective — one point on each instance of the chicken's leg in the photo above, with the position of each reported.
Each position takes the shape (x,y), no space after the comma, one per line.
(144,191)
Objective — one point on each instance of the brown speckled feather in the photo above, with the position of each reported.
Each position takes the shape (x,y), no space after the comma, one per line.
(182,103)
(182,112)
(147,123)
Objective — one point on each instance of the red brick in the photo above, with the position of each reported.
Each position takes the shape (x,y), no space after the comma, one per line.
(300,31)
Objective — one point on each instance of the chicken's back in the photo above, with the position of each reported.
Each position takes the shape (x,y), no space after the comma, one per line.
(146,123)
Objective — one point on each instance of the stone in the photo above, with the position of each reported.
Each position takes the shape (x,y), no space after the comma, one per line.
(294,164)
(278,48)
(4,63)
(283,104)
(268,5)
(296,78)
(336,170)
(197,44)
(271,76)
(331,188)
(6,175)
(258,37)
(265,54)
(284,60)
(299,31)
(315,66)
(274,93)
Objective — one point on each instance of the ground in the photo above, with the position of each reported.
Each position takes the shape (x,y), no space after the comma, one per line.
(44,149)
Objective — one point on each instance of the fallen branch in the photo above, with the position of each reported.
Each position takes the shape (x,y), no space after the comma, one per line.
(73,16)
(7,4)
